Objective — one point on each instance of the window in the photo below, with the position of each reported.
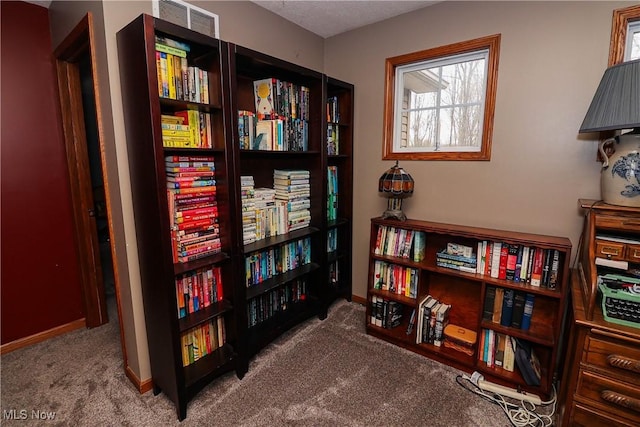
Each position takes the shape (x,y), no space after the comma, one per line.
(625,35)
(632,50)
(439,103)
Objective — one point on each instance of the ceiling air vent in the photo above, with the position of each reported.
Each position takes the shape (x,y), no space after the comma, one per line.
(187,15)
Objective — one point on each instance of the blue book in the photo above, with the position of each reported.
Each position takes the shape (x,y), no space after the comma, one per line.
(528,311)
(507,307)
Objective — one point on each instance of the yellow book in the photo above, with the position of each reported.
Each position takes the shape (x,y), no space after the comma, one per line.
(170,76)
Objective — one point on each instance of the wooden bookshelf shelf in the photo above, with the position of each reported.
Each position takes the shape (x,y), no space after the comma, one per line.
(392,278)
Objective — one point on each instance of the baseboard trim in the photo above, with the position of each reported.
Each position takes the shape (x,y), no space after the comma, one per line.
(42,336)
(359,300)
(142,386)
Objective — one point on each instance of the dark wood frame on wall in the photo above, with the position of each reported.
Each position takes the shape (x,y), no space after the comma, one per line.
(621,19)
(492,43)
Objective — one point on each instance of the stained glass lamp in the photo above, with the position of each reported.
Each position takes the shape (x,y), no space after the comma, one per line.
(395,184)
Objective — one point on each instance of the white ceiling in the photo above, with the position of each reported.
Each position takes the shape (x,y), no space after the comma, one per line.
(327,18)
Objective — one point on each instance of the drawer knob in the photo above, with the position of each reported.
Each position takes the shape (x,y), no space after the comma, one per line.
(620,400)
(622,362)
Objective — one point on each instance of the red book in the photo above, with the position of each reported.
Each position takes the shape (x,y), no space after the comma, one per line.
(504,254)
(536,269)
(487,257)
(186,213)
(199,224)
(218,281)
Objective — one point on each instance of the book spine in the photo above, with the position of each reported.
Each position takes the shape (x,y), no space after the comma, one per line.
(527,312)
(507,307)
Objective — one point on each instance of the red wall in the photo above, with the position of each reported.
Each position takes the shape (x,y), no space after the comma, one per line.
(40,286)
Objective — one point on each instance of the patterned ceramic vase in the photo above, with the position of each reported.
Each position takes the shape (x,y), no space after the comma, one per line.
(620,177)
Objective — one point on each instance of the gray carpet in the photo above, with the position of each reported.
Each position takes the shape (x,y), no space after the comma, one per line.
(322,373)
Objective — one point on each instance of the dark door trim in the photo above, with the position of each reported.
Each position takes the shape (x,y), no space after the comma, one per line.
(78,43)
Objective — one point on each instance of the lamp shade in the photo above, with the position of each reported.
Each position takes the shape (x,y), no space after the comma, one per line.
(616,104)
(396,181)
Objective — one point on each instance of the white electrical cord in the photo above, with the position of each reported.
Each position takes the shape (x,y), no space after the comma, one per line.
(520,415)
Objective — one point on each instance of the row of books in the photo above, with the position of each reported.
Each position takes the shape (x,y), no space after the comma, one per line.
(275,99)
(508,307)
(398,242)
(332,193)
(395,278)
(261,266)
(187,129)
(499,260)
(202,340)
(385,313)
(333,139)
(198,289)
(176,78)
(519,263)
(497,349)
(431,319)
(193,210)
(333,110)
(265,306)
(276,134)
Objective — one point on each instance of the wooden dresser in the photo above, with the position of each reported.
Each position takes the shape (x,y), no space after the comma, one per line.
(601,382)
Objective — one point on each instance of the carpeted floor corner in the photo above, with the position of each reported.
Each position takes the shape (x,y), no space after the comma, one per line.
(321,373)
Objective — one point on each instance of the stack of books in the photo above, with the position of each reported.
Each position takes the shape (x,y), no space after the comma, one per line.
(193,210)
(248,209)
(266,213)
(294,189)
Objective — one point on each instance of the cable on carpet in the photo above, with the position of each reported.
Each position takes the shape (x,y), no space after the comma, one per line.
(520,415)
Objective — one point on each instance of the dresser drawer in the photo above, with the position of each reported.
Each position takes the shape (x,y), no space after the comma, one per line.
(583,416)
(617,357)
(610,395)
(610,250)
(632,253)
(614,222)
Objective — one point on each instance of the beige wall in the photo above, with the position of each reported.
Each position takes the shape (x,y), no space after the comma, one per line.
(552,57)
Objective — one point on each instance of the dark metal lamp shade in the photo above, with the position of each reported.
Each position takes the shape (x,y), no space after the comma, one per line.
(616,104)
(396,184)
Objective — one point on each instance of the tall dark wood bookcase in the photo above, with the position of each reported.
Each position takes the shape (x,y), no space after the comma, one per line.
(143,107)
(339,157)
(254,314)
(271,306)
(466,292)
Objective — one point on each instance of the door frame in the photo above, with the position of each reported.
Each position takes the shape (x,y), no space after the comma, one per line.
(79,42)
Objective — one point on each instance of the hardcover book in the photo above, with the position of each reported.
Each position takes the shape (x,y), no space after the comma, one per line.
(518,309)
(507,307)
